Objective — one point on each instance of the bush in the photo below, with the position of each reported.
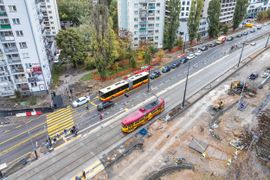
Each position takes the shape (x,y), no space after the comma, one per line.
(32,101)
(87,77)
(56,72)
(18,94)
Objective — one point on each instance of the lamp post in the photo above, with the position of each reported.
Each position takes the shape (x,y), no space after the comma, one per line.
(148,90)
(267,41)
(184,46)
(241,55)
(185,90)
(29,134)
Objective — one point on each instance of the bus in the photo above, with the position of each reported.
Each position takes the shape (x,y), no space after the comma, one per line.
(142,116)
(121,87)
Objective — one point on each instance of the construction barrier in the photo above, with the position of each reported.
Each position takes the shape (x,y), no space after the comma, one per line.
(33,113)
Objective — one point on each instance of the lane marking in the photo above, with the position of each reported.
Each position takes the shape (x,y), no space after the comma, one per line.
(94,104)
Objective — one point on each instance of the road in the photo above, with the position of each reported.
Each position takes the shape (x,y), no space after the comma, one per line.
(17,142)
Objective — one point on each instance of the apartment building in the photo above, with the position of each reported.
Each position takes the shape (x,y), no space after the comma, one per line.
(227,11)
(26,35)
(256,6)
(144,19)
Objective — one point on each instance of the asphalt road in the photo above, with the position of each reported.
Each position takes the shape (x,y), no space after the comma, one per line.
(17,141)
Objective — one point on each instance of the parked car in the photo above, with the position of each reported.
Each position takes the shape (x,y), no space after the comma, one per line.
(175,64)
(245,33)
(203,48)
(191,56)
(265,74)
(184,60)
(252,30)
(212,44)
(253,43)
(230,38)
(239,35)
(154,74)
(259,27)
(166,69)
(81,101)
(253,76)
(199,52)
(104,105)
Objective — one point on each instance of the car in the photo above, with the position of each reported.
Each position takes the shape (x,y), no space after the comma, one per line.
(239,35)
(230,38)
(265,74)
(212,44)
(56,59)
(199,52)
(191,56)
(203,48)
(259,27)
(154,74)
(80,101)
(253,76)
(184,60)
(175,64)
(252,31)
(104,105)
(245,33)
(253,44)
(166,69)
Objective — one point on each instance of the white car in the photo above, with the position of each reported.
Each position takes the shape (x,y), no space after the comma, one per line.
(56,59)
(81,101)
(253,44)
(265,75)
(191,56)
(199,52)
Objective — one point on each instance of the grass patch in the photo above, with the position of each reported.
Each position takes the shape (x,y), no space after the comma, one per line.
(87,77)
(56,72)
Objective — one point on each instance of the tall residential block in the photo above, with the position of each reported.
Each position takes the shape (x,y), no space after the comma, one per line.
(143,19)
(27,31)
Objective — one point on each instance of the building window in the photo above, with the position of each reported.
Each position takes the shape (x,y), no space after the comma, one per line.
(158,11)
(157,18)
(23,45)
(53,27)
(182,14)
(158,4)
(16,21)
(157,25)
(136,12)
(19,33)
(136,26)
(188,3)
(50,12)
(135,19)
(12,8)
(26,55)
(183,3)
(48,6)
(51,17)
(183,8)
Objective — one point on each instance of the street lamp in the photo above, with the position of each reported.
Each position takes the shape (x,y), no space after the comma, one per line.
(184,46)
(241,55)
(267,41)
(185,90)
(148,90)
(29,134)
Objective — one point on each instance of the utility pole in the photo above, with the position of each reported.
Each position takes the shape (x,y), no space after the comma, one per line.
(185,90)
(148,90)
(241,55)
(267,41)
(33,146)
(184,46)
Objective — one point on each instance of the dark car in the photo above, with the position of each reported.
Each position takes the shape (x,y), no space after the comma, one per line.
(239,35)
(253,76)
(166,69)
(154,74)
(104,105)
(245,33)
(252,31)
(203,48)
(230,38)
(184,60)
(212,44)
(175,64)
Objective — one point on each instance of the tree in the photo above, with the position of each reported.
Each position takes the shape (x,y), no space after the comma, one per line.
(268,12)
(261,16)
(114,14)
(160,54)
(103,43)
(74,11)
(147,57)
(72,47)
(213,18)
(171,23)
(179,42)
(194,18)
(239,12)
(132,61)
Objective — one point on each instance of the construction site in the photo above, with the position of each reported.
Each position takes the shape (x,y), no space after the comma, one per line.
(224,135)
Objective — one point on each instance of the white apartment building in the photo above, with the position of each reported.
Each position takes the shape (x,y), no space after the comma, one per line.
(227,10)
(26,36)
(144,19)
(256,6)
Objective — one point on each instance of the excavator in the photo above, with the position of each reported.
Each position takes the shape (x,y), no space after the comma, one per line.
(238,86)
(218,105)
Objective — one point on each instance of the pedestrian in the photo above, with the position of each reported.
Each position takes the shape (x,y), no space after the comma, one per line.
(84,174)
(87,108)
(100,116)
(65,132)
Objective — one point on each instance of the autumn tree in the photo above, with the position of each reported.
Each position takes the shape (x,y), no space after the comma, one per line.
(171,23)
(239,12)
(194,18)
(213,17)
(103,42)
(71,44)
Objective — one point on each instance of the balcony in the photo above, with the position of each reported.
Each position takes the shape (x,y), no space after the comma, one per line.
(10,49)
(4,73)
(3,13)
(3,63)
(7,38)
(21,80)
(17,70)
(6,93)
(14,61)
(5,26)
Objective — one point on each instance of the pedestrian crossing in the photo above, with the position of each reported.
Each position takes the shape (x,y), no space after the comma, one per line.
(59,120)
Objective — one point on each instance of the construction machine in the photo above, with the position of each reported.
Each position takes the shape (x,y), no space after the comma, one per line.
(237,87)
(218,105)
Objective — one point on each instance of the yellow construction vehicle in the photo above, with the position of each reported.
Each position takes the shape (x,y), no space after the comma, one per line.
(218,105)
